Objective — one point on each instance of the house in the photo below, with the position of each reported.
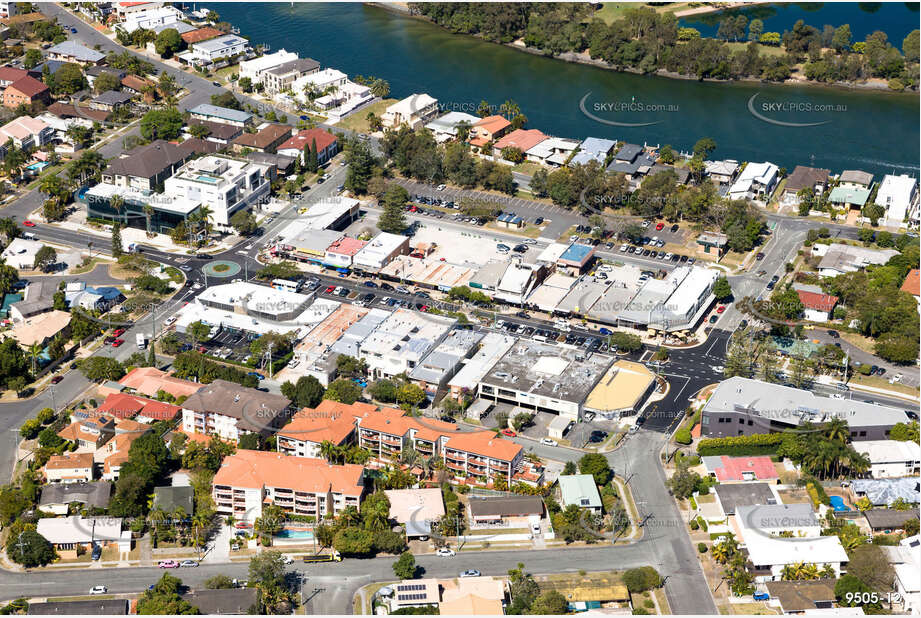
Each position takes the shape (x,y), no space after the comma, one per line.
(413,111)
(593,149)
(521,139)
(255,68)
(855,179)
(417,509)
(713,242)
(554,151)
(151,18)
(283,76)
(247,480)
(101,607)
(682,174)
(123,10)
(838,258)
(57,497)
(756,182)
(415,593)
(906,562)
(817,307)
(891,458)
(721,172)
(114,453)
(219,133)
(898,195)
(134,84)
(267,139)
(727,469)
(123,405)
(145,167)
(225,601)
(150,381)
(39,298)
(812,178)
(472,596)
(111,100)
(169,499)
(505,511)
(200,35)
(67,534)
(798,520)
(885,492)
(40,329)
(579,489)
(213,113)
(89,432)
(27,132)
(219,51)
(71,51)
(74,111)
(297,146)
(279,165)
(912,284)
(229,410)
(849,196)
(799,597)
(25,91)
(444,128)
(730,497)
(309,428)
(769,555)
(632,161)
(69,468)
(887,520)
(487,130)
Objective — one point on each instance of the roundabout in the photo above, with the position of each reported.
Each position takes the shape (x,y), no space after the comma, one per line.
(221,268)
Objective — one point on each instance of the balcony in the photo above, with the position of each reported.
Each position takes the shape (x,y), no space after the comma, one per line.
(454,466)
(392,441)
(371,437)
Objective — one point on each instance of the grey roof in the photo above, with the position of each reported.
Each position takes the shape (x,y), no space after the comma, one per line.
(95,494)
(39,298)
(775,403)
(506,506)
(80,52)
(223,601)
(96,71)
(683,173)
(234,115)
(628,152)
(849,258)
(887,491)
(113,97)
(219,130)
(889,519)
(301,65)
(255,410)
(418,528)
(579,489)
(857,177)
(102,607)
(168,498)
(220,42)
(799,596)
(785,516)
(735,495)
(281,162)
(633,164)
(179,26)
(148,161)
(489,275)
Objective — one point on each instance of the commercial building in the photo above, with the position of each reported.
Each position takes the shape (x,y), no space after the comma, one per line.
(426,272)
(549,294)
(228,411)
(742,406)
(491,348)
(401,341)
(518,281)
(622,391)
(891,458)
(440,364)
(20,253)
(312,352)
(341,253)
(25,91)
(674,303)
(382,249)
(248,480)
(413,111)
(756,181)
(223,184)
(544,377)
(580,489)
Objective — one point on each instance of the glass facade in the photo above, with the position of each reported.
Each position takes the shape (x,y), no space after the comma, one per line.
(132,213)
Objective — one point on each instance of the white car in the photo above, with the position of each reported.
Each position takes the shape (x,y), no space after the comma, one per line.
(837,396)
(170,320)
(624,247)
(549,442)
(529,241)
(441,187)
(446,552)
(98,590)
(287,559)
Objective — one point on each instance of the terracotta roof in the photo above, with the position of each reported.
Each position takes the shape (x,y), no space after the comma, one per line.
(115,461)
(305,138)
(314,425)
(121,405)
(522,139)
(69,460)
(64,110)
(80,430)
(431,429)
(11,74)
(819,302)
(265,137)
(493,124)
(202,34)
(149,380)
(912,283)
(482,443)
(258,469)
(135,83)
(347,246)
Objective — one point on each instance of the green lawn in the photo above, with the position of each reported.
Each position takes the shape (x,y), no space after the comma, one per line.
(768,50)
(612,11)
(359,120)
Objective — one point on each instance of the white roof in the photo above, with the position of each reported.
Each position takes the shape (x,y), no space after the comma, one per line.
(552,252)
(761,173)
(262,63)
(551,145)
(221,42)
(320,78)
(765,551)
(448,123)
(895,193)
(412,104)
(76,529)
(379,248)
(492,348)
(889,451)
(22,248)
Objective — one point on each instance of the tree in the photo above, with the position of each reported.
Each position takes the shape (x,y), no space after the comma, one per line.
(642,579)
(312,163)
(380,88)
(30,549)
(163,598)
(271,521)
(667,154)
(306,393)
(626,342)
(219,582)
(117,249)
(596,464)
(68,79)
(246,84)
(850,591)
(410,394)
(393,218)
(32,59)
(344,391)
(168,42)
(704,147)
(45,258)
(550,603)
(721,289)
(384,391)
(244,222)
(361,166)
(353,541)
(267,570)
(869,564)
(405,566)
(161,124)
(99,368)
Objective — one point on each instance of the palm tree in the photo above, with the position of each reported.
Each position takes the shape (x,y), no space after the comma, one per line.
(350,516)
(200,522)
(157,516)
(34,350)
(148,212)
(380,88)
(837,430)
(377,516)
(117,202)
(328,451)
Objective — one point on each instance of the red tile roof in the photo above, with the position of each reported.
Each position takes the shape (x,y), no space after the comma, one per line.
(485,444)
(819,302)
(493,124)
(315,425)
(733,468)
(912,283)
(202,34)
(522,139)
(10,74)
(305,138)
(28,86)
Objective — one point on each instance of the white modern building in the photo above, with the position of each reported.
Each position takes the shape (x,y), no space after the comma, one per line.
(255,69)
(757,181)
(222,48)
(413,111)
(151,18)
(899,196)
(770,554)
(382,249)
(400,342)
(20,253)
(891,458)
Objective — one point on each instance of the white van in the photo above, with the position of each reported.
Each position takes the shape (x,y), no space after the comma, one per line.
(562,325)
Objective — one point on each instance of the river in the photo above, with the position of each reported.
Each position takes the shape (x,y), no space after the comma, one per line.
(876,132)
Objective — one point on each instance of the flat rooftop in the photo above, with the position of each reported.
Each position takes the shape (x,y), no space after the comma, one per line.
(408,333)
(622,387)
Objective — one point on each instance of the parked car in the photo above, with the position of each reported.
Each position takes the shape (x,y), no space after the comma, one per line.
(186,564)
(168,564)
(509,433)
(470,573)
(445,552)
(98,589)
(659,226)
(56,379)
(117,343)
(548,442)
(96,553)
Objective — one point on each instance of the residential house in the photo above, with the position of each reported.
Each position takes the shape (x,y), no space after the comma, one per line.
(134,84)
(415,593)
(812,178)
(906,561)
(151,18)
(721,172)
(885,521)
(40,329)
(554,151)
(769,555)
(213,113)
(71,51)
(796,521)
(731,497)
(67,534)
(123,10)
(115,453)
(444,128)
(283,76)
(801,597)
(487,130)
(713,242)
(255,68)
(326,145)
(682,174)
(150,381)
(727,469)
(9,75)
(145,167)
(229,410)
(891,458)
(886,491)
(69,468)
(124,405)
(855,179)
(580,489)
(200,35)
(756,182)
(89,432)
(472,596)
(417,509)
(817,307)
(267,139)
(97,607)
(413,111)
(25,91)
(170,499)
(898,195)
(505,511)
(849,197)
(838,258)
(593,149)
(27,132)
(225,601)
(39,298)
(219,51)
(521,139)
(912,284)
(57,497)
(111,100)
(632,161)
(217,132)
(247,480)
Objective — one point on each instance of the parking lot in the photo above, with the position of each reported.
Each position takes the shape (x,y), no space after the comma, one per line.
(229,344)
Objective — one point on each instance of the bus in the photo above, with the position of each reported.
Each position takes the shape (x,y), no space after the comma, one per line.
(285,284)
(331,557)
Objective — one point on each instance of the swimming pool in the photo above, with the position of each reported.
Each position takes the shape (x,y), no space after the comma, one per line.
(287,533)
(837,503)
(38,166)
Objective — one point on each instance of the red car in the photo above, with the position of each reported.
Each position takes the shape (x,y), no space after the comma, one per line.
(659,226)
(118,332)
(56,379)
(168,564)
(117,343)
(424,308)
(330,289)
(28,223)
(509,433)
(721,309)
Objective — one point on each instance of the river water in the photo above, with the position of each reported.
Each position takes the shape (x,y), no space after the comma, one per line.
(827,127)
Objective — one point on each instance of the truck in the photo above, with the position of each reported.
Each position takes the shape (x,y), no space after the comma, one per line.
(141,339)
(331,557)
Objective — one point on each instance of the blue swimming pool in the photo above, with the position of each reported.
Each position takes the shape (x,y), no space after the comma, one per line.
(38,166)
(295,534)
(837,503)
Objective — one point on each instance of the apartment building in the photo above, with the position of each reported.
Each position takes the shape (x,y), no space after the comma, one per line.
(283,76)
(27,132)
(331,421)
(146,167)
(228,411)
(248,480)
(400,342)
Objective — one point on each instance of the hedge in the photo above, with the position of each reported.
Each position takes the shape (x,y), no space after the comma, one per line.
(755,444)
(683,436)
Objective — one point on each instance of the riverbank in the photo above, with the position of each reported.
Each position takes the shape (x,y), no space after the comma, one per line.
(716,7)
